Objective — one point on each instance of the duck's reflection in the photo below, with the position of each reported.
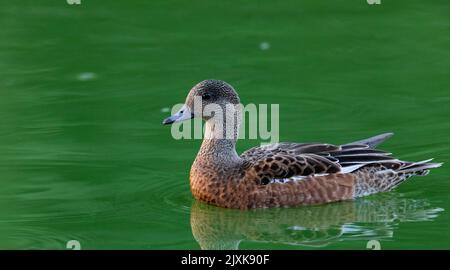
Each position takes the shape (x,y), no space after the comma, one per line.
(364,219)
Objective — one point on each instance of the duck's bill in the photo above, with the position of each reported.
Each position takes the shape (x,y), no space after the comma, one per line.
(183,114)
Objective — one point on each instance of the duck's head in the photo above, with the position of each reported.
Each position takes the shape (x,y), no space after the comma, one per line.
(205,97)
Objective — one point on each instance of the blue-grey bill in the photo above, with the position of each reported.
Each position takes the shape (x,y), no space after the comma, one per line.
(183,114)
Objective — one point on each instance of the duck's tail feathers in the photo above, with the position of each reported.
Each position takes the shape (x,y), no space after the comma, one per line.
(381,178)
(374,141)
(419,168)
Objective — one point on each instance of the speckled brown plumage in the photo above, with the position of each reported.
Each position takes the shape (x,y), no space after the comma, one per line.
(285,174)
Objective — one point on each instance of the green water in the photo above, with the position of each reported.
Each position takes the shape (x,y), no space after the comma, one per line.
(83,154)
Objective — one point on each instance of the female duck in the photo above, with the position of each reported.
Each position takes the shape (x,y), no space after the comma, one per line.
(281,174)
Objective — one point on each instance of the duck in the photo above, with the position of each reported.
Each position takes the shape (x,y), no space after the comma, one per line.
(283,174)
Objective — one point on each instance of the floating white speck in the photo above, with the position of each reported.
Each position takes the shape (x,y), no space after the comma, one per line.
(165,110)
(86,76)
(264,46)
(298,228)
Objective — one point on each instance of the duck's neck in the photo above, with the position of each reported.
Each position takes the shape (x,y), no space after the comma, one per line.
(219,143)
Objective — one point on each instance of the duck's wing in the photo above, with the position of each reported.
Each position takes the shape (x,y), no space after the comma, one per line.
(286,160)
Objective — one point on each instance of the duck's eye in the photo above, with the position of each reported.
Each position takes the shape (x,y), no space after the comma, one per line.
(206,96)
